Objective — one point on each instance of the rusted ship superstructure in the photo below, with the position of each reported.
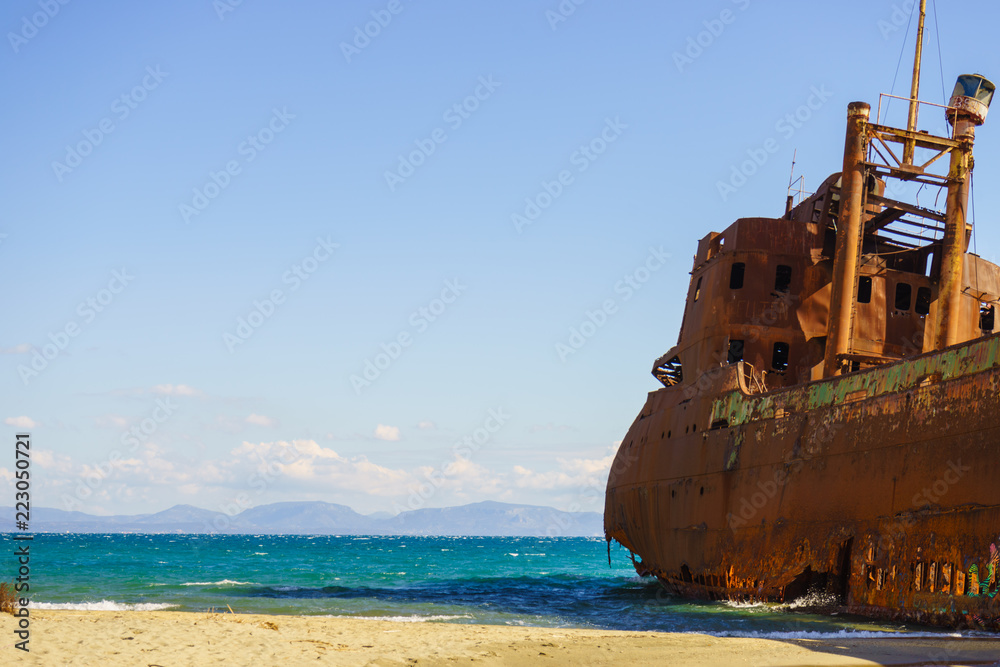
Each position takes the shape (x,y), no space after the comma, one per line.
(830,415)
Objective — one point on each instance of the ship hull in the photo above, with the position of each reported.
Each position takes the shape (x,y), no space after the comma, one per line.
(881,487)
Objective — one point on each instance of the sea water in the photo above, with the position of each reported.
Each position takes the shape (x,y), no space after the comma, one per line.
(551,582)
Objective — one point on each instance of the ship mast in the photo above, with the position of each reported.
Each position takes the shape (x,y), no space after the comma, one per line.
(864,212)
(911,119)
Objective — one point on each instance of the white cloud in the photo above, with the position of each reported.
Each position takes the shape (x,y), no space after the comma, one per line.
(538,428)
(310,465)
(160,390)
(175,390)
(151,466)
(383,432)
(21,422)
(261,420)
(304,469)
(578,472)
(52,461)
(23,348)
(227,424)
(463,476)
(427,425)
(107,421)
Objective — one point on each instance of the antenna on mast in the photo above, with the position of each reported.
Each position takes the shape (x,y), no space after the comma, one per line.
(911,120)
(790,200)
(792,175)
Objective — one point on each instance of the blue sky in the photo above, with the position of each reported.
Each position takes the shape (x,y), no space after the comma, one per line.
(181,164)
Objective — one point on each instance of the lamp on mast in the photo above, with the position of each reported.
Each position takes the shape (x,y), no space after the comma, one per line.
(967,109)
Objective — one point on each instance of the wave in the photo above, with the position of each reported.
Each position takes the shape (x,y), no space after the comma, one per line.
(736,604)
(838,634)
(414,618)
(224,582)
(103,605)
(814,599)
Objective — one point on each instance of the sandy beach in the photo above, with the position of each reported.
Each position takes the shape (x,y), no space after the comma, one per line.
(173,639)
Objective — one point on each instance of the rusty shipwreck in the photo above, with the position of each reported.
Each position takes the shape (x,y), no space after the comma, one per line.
(830,415)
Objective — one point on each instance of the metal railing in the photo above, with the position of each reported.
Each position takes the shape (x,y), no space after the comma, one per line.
(878,112)
(756,384)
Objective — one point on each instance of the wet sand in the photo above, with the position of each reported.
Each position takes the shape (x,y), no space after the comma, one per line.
(174,639)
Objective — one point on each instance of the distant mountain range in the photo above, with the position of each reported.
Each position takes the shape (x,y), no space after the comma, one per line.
(319,518)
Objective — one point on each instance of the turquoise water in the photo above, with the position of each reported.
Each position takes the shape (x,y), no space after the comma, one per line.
(555,582)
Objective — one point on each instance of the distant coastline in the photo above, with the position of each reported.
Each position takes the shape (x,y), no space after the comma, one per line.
(320,518)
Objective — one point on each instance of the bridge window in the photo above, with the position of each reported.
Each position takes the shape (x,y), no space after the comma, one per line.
(735,351)
(923,303)
(782,278)
(865,289)
(669,373)
(987,316)
(779,358)
(697,289)
(903,293)
(736,275)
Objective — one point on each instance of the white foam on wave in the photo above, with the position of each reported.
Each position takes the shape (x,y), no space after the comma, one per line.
(744,605)
(814,599)
(224,582)
(839,634)
(414,618)
(103,605)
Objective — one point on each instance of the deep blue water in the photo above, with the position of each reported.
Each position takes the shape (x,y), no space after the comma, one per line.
(558,582)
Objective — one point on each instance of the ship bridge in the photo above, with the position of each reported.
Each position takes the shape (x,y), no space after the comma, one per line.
(760,291)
